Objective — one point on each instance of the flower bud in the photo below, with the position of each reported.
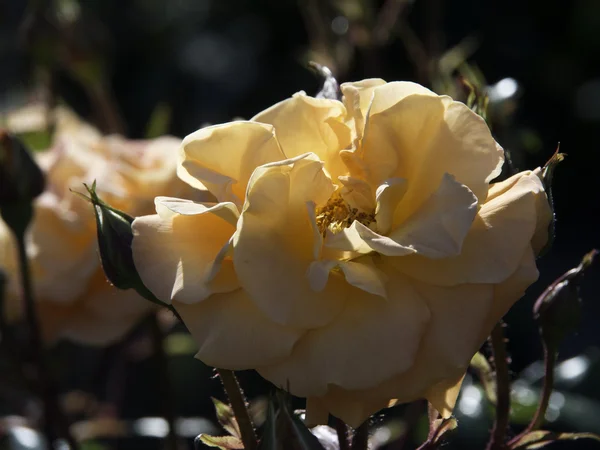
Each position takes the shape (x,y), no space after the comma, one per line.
(21,180)
(114,243)
(558,309)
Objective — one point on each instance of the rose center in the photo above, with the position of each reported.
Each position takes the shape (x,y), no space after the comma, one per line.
(337,214)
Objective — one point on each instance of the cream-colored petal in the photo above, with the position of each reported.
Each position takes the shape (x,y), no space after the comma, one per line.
(507,293)
(307,124)
(542,206)
(174,253)
(486,257)
(232,332)
(438,227)
(360,348)
(274,243)
(222,157)
(388,196)
(422,137)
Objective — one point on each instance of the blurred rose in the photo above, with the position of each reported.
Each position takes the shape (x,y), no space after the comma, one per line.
(358,253)
(75,300)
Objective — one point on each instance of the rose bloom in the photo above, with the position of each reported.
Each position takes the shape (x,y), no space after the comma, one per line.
(74,299)
(357,253)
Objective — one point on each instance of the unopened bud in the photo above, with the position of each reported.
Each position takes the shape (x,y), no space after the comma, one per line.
(21,180)
(558,309)
(114,243)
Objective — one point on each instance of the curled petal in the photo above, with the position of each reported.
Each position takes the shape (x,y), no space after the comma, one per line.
(232,332)
(176,250)
(222,157)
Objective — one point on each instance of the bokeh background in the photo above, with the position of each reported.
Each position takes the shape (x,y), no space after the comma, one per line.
(146,67)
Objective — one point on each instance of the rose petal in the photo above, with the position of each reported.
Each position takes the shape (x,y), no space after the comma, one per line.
(274,243)
(360,347)
(437,229)
(422,137)
(509,217)
(307,124)
(234,334)
(388,196)
(175,250)
(222,157)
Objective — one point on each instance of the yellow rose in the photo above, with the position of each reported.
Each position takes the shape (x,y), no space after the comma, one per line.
(357,253)
(75,300)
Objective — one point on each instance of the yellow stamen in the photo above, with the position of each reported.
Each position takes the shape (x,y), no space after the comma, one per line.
(336,215)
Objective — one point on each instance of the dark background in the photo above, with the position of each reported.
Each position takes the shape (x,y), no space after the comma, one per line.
(186,63)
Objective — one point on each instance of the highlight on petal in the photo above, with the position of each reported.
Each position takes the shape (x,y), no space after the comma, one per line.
(328,355)
(232,333)
(222,157)
(492,250)
(274,243)
(175,251)
(307,124)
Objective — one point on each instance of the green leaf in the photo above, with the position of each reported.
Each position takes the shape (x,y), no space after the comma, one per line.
(226,418)
(485,373)
(222,442)
(541,438)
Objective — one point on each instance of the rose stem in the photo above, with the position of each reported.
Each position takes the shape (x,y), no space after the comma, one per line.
(342,433)
(549,362)
(166,393)
(44,378)
(540,413)
(238,404)
(502,388)
(360,439)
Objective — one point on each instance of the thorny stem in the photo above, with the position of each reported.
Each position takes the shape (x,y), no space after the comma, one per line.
(360,440)
(238,405)
(502,389)
(166,394)
(52,412)
(342,433)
